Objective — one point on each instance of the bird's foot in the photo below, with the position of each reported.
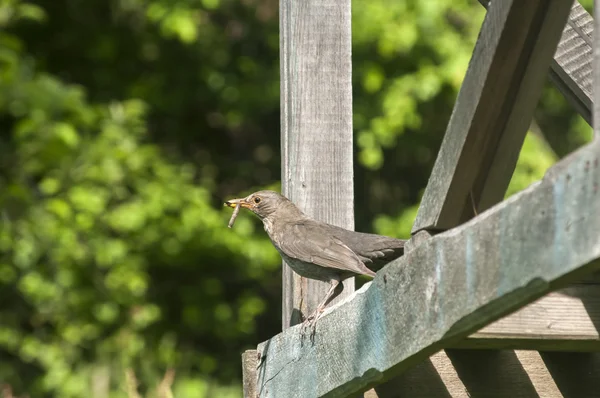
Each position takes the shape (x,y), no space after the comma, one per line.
(310,324)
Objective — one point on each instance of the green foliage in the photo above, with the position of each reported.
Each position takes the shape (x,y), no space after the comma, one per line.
(535,158)
(431,41)
(124,126)
(112,253)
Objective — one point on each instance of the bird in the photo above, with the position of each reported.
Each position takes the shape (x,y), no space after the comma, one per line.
(315,249)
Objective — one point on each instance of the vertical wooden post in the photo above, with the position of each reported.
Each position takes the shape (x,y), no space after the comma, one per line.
(249,379)
(316,128)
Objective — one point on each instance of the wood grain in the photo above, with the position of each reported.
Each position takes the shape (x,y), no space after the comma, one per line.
(316,128)
(571,69)
(493,111)
(448,287)
(493,373)
(249,366)
(566,320)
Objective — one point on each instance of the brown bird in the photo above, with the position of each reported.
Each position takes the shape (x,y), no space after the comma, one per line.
(316,250)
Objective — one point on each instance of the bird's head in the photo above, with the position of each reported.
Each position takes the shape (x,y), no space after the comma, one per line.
(261,203)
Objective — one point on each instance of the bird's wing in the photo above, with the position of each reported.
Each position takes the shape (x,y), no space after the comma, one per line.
(373,250)
(310,242)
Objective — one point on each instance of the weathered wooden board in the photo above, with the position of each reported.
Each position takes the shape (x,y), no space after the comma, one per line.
(493,111)
(571,69)
(565,320)
(249,367)
(316,128)
(492,373)
(448,287)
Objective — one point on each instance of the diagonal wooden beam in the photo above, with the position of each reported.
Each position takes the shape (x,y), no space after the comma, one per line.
(493,111)
(571,69)
(447,288)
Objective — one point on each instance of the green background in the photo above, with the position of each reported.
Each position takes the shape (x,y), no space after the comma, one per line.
(124,126)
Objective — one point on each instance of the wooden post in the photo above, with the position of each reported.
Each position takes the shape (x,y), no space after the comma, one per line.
(316,128)
(249,379)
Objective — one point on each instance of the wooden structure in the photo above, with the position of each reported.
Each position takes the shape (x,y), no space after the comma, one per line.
(441,321)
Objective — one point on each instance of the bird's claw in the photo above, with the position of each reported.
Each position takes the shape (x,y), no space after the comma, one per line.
(310,323)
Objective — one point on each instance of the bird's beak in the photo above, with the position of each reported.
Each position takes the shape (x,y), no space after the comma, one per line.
(234,202)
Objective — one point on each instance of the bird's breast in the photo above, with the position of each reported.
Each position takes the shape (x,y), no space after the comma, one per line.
(268,224)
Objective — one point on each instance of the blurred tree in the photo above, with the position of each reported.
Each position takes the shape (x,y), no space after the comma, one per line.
(124,125)
(113,251)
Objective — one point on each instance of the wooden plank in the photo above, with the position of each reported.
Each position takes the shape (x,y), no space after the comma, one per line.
(249,366)
(493,111)
(571,69)
(316,128)
(448,287)
(492,373)
(566,320)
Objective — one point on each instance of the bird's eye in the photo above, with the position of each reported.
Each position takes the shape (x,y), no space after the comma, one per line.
(257,200)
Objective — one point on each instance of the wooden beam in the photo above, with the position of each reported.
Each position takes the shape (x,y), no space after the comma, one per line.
(448,287)
(566,320)
(571,69)
(316,128)
(493,111)
(497,374)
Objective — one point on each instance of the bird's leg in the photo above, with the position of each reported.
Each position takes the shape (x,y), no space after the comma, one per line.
(332,293)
